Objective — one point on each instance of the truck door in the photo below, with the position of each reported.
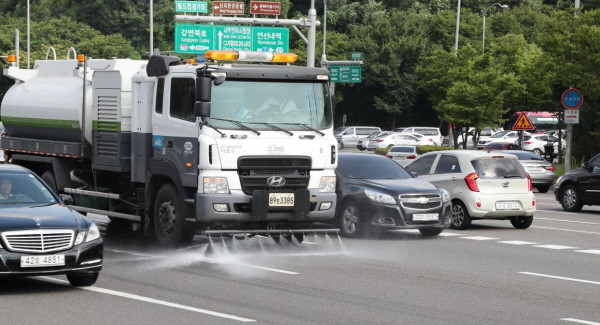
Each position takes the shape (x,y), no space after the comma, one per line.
(174,127)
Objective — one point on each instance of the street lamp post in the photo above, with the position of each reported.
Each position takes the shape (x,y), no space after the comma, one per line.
(484,13)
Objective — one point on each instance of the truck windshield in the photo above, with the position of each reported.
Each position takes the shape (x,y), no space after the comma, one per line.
(289,105)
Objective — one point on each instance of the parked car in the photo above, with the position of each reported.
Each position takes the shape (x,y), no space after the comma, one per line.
(503,136)
(501,146)
(364,142)
(484,134)
(433,136)
(539,169)
(403,154)
(348,135)
(396,139)
(579,186)
(40,235)
(482,185)
(375,192)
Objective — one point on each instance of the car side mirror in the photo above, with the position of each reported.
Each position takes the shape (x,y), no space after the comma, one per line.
(67,199)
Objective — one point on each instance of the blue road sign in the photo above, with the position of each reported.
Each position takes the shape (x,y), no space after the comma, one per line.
(571,98)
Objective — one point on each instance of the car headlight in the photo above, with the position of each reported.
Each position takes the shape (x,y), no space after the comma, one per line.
(216,185)
(92,234)
(380,197)
(445,195)
(327,184)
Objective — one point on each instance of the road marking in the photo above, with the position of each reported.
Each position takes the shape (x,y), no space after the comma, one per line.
(555,247)
(590,251)
(517,242)
(572,221)
(569,230)
(580,321)
(560,212)
(479,238)
(560,277)
(449,234)
(151,300)
(255,267)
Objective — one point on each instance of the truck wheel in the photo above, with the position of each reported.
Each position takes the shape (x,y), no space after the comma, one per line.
(82,280)
(569,199)
(48,178)
(460,216)
(521,222)
(169,219)
(350,221)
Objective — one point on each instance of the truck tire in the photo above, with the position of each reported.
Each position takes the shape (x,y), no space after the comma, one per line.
(48,178)
(169,219)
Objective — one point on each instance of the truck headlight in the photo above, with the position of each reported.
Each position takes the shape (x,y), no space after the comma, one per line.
(327,184)
(445,195)
(216,185)
(380,197)
(92,234)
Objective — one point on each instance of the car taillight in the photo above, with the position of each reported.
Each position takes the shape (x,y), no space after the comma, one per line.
(528,142)
(471,180)
(431,140)
(389,156)
(551,168)
(529,183)
(411,157)
(379,140)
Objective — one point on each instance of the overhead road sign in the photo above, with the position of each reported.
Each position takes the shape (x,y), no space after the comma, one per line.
(523,123)
(191,6)
(571,98)
(197,39)
(265,8)
(345,73)
(233,8)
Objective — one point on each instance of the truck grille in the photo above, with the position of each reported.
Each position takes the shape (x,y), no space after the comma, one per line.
(421,201)
(38,241)
(254,172)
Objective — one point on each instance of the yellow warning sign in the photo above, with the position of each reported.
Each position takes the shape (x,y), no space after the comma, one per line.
(523,123)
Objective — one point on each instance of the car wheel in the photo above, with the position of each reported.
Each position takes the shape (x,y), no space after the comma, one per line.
(82,280)
(340,145)
(460,216)
(169,220)
(537,151)
(570,200)
(521,222)
(543,189)
(350,221)
(48,178)
(361,149)
(430,231)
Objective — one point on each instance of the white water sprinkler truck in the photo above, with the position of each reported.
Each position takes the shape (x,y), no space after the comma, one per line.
(180,147)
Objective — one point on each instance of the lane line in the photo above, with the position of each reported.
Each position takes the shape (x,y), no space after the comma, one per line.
(569,230)
(151,300)
(580,321)
(449,234)
(255,267)
(478,238)
(560,277)
(558,212)
(557,247)
(590,251)
(571,221)
(517,242)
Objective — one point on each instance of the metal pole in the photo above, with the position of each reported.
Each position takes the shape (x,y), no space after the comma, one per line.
(151,28)
(568,153)
(28,33)
(17,46)
(483,36)
(312,31)
(324,56)
(457,29)
(83,106)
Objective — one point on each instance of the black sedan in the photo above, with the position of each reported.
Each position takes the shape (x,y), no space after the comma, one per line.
(579,187)
(40,235)
(374,192)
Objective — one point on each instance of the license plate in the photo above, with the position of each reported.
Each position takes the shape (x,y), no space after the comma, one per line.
(508,206)
(425,216)
(399,158)
(281,199)
(42,260)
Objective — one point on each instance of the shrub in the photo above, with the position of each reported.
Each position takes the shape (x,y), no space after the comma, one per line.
(420,149)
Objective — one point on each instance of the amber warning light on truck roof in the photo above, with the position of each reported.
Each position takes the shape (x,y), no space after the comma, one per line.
(251,56)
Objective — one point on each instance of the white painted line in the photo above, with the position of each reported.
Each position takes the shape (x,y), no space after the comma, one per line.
(449,234)
(569,230)
(151,300)
(412,231)
(572,221)
(517,242)
(560,277)
(559,212)
(309,242)
(555,247)
(262,268)
(479,238)
(590,251)
(580,321)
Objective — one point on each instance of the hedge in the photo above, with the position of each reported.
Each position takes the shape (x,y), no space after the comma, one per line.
(420,149)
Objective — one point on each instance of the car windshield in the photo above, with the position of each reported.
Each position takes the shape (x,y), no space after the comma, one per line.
(498,168)
(18,188)
(499,134)
(365,166)
(526,155)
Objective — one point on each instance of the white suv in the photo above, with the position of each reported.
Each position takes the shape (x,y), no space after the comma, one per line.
(504,136)
(432,135)
(482,185)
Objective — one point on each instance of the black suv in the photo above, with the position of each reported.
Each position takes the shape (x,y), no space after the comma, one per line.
(579,186)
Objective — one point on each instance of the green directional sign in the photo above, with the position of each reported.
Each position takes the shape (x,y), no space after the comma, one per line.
(345,73)
(197,39)
(191,6)
(356,55)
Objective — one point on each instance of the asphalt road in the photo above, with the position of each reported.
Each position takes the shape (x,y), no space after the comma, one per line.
(488,274)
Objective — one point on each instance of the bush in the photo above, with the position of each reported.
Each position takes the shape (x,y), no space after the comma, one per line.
(420,149)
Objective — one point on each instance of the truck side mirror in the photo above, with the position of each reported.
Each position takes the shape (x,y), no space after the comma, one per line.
(202,109)
(203,87)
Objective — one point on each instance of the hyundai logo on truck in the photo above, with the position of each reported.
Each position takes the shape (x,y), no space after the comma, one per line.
(276,181)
